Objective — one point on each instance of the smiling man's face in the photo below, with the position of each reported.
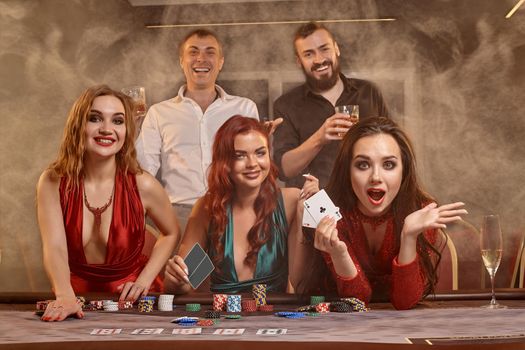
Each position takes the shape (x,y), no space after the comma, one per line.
(201,61)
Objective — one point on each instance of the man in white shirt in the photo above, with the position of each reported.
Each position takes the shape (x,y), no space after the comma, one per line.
(177,134)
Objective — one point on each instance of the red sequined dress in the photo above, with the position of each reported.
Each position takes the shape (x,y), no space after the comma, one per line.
(379,275)
(124,259)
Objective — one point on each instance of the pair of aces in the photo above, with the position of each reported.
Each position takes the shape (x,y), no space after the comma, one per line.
(317,207)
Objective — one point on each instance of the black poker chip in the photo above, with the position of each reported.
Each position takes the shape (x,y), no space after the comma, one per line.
(340,306)
(212,314)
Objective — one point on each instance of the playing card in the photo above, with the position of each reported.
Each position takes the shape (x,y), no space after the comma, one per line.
(320,205)
(308,220)
(199,265)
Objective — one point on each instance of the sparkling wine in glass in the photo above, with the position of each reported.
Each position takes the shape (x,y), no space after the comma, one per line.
(491,245)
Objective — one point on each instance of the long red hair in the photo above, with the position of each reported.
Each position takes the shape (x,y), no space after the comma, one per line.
(221,189)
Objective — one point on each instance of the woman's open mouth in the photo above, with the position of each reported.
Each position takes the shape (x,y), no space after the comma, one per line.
(376,196)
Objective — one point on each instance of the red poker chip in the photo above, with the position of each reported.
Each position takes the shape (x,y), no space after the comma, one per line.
(266,308)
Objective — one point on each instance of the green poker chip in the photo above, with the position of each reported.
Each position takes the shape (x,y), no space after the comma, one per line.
(232,317)
(193,307)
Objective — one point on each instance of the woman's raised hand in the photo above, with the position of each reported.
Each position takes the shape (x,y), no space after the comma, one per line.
(432,217)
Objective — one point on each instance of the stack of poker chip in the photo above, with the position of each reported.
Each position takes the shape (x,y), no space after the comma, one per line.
(165,302)
(186,321)
(213,314)
(96,304)
(110,305)
(322,307)
(81,301)
(193,307)
(125,304)
(259,294)
(249,305)
(233,304)
(265,308)
(357,305)
(316,299)
(340,306)
(219,302)
(146,304)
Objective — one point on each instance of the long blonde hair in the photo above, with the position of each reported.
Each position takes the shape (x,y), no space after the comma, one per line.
(70,160)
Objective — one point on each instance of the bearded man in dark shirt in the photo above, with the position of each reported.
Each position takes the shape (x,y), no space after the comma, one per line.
(308,139)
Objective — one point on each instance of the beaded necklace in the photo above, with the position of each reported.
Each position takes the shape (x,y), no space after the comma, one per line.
(97,212)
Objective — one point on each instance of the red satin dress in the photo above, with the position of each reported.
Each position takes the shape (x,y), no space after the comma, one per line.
(379,275)
(124,259)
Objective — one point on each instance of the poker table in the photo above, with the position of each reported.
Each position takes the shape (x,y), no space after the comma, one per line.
(443,321)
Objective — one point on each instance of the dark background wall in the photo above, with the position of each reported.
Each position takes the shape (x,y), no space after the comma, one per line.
(453,72)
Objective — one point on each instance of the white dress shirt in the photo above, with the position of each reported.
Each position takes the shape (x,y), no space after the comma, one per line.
(177,138)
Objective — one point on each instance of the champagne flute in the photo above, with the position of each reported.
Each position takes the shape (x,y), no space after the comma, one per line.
(491,244)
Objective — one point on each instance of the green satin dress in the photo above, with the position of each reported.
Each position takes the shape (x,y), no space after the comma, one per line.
(272,259)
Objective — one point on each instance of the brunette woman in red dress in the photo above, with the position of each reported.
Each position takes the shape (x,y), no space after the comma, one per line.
(92,201)
(386,246)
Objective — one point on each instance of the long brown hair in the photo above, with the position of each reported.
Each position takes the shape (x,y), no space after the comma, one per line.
(410,197)
(221,189)
(70,159)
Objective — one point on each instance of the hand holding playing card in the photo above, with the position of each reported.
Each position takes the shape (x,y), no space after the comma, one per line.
(327,239)
(176,270)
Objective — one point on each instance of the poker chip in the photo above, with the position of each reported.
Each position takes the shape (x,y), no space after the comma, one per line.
(233,303)
(184,319)
(193,307)
(306,308)
(232,317)
(81,301)
(340,306)
(284,313)
(249,305)
(313,314)
(165,302)
(125,304)
(219,302)
(205,323)
(110,305)
(259,294)
(289,314)
(146,304)
(212,314)
(96,304)
(356,304)
(316,299)
(322,307)
(265,308)
(42,305)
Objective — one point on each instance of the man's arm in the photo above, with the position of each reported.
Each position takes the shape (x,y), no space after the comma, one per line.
(293,157)
(149,143)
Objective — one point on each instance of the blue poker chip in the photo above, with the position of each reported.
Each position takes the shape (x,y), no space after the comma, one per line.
(297,315)
(150,297)
(284,313)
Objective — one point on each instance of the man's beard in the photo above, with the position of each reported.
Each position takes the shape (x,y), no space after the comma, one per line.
(325,82)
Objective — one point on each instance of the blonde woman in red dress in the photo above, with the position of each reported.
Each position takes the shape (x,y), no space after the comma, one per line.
(92,201)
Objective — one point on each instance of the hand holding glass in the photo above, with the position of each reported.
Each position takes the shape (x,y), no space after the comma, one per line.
(491,244)
(351,110)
